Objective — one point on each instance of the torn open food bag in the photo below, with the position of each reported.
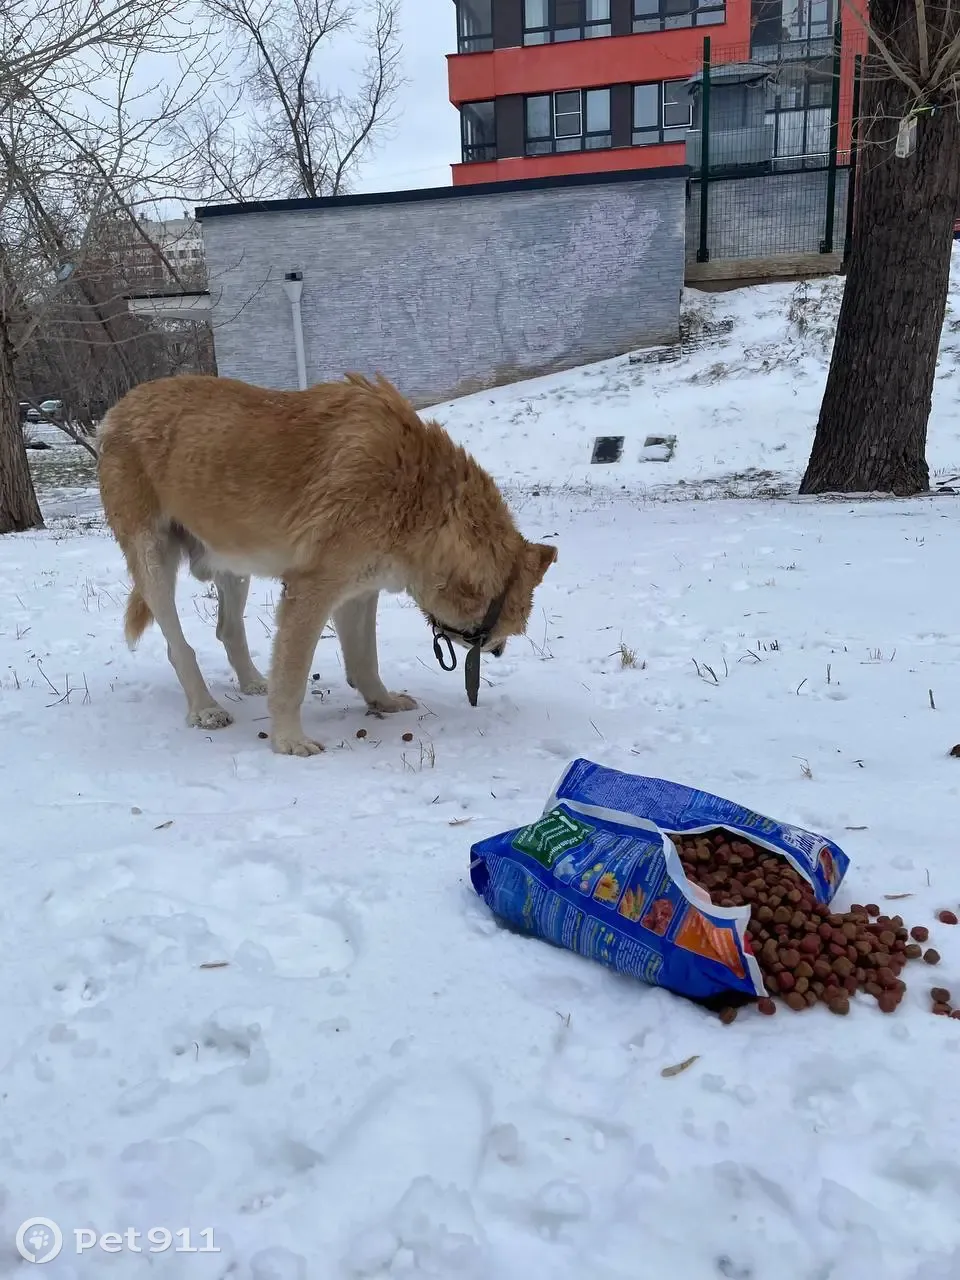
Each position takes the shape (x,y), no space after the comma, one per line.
(599,874)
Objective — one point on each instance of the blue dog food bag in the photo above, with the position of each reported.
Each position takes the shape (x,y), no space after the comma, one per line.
(598,874)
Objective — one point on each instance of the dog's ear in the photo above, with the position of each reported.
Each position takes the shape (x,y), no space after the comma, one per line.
(541,557)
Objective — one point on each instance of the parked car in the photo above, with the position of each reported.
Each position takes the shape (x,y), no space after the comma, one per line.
(28,413)
(51,408)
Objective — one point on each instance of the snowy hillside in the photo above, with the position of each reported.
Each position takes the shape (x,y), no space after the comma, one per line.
(742,397)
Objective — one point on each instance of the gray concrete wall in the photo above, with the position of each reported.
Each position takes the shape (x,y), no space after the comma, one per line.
(450,295)
(762,217)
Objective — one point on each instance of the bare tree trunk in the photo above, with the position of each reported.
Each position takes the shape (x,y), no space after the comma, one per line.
(872,431)
(19,509)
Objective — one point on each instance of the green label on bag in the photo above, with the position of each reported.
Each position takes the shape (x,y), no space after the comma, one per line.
(551,836)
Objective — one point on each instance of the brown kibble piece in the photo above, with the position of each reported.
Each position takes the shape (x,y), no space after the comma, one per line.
(913,951)
(930,956)
(796,1001)
(919,933)
(840,1005)
(943,1010)
(361,733)
(940,995)
(408,737)
(766,1006)
(872,909)
(947,917)
(261,734)
(785,981)
(728,1015)
(887,939)
(887,1003)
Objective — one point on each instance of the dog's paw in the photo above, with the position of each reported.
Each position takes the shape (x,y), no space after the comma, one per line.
(255,686)
(295,745)
(392,702)
(215,717)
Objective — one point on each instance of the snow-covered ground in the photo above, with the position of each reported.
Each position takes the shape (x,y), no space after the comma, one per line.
(374,1080)
(742,401)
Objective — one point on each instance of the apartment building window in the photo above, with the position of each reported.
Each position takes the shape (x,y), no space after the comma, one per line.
(798,107)
(553,21)
(478,132)
(573,120)
(665,15)
(807,19)
(661,112)
(474,26)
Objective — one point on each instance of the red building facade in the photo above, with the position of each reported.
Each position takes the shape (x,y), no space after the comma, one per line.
(550,87)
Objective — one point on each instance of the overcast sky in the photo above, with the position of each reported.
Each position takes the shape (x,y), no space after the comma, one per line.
(426,137)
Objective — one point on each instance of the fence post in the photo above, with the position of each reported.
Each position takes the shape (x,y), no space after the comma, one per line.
(826,244)
(854,147)
(703,249)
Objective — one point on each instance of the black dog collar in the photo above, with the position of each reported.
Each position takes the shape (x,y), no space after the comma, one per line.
(475,639)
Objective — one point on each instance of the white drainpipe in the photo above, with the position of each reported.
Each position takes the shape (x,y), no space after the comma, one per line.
(293,287)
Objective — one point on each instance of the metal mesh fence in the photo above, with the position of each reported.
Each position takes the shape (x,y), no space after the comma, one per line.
(769,146)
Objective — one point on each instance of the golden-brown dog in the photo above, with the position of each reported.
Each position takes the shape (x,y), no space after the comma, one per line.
(340,491)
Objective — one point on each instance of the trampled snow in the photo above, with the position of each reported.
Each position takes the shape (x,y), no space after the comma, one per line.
(373,1079)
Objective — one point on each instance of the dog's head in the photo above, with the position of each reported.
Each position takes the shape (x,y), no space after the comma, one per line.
(466,617)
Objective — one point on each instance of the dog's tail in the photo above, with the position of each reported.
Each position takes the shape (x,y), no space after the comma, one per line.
(137,618)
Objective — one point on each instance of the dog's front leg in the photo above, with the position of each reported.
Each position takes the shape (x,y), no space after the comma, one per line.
(304,608)
(356,624)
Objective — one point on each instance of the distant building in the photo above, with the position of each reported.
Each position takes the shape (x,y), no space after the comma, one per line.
(158,253)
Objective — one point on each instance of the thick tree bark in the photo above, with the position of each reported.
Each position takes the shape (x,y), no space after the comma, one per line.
(19,509)
(872,431)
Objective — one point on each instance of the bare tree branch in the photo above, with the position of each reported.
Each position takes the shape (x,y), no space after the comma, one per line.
(293,127)
(924,50)
(84,145)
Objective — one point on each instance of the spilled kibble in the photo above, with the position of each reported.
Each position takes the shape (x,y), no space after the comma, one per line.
(808,952)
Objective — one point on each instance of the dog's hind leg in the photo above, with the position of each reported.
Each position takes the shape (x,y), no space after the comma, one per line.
(155,559)
(356,624)
(231,601)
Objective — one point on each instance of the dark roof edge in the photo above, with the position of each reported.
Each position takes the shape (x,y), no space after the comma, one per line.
(169,293)
(468,191)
